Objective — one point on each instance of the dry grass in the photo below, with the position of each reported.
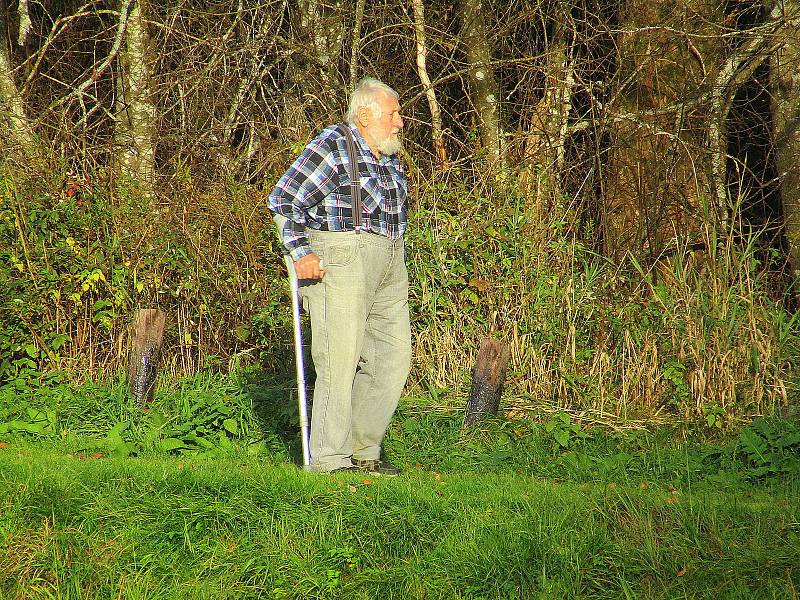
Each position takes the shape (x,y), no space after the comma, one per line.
(686,337)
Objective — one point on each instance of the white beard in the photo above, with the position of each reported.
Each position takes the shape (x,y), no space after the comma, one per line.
(390,145)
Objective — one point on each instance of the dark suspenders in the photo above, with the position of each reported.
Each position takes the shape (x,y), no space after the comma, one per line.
(355,182)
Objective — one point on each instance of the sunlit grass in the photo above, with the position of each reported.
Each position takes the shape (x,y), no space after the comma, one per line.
(238,528)
(500,512)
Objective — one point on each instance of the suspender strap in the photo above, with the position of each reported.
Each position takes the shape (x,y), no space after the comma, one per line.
(355,182)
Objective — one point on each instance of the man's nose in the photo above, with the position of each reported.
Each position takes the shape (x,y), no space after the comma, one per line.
(398,122)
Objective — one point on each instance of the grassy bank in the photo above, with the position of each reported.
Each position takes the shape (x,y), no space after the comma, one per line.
(162,508)
(237,527)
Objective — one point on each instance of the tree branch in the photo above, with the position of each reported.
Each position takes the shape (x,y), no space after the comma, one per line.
(737,69)
(430,93)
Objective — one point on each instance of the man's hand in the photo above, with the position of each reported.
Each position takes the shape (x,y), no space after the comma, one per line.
(308,267)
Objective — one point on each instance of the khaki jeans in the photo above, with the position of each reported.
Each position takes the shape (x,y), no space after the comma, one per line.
(360,343)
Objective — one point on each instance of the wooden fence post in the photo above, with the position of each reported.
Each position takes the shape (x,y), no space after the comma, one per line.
(145,354)
(487,381)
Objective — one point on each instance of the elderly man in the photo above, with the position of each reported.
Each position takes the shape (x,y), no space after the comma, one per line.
(353,279)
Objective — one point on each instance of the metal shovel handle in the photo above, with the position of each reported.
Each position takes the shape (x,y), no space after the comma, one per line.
(300,363)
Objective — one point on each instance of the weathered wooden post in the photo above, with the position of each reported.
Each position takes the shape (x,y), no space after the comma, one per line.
(145,353)
(487,381)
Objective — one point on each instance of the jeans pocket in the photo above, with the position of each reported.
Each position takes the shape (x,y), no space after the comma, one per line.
(340,255)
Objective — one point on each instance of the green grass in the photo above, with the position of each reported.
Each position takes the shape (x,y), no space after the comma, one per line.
(240,528)
(510,510)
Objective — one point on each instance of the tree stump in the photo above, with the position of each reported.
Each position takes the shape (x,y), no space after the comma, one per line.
(145,354)
(487,381)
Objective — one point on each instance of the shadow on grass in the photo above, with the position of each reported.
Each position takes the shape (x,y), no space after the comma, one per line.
(272,389)
(274,398)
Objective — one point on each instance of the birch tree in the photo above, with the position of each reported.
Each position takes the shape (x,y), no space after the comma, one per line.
(355,45)
(135,110)
(757,45)
(557,99)
(430,93)
(322,24)
(12,108)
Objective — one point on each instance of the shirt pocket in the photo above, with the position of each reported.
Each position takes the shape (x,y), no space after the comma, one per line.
(371,192)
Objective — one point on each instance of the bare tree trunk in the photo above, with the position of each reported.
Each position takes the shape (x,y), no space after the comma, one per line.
(759,44)
(430,93)
(485,90)
(356,43)
(548,132)
(321,20)
(135,112)
(785,84)
(558,96)
(311,85)
(658,167)
(12,110)
(24,22)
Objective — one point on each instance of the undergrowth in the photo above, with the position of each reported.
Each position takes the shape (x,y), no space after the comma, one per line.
(254,414)
(696,336)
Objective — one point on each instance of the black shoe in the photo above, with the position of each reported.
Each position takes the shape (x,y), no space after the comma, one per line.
(376,467)
(347,469)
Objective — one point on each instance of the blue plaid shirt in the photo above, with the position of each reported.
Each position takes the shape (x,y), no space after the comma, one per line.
(315,192)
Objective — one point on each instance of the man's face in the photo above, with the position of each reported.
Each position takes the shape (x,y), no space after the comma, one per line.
(384,129)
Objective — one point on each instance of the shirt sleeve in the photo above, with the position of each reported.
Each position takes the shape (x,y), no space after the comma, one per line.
(306,183)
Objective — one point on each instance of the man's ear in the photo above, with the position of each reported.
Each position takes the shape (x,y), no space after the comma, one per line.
(364,115)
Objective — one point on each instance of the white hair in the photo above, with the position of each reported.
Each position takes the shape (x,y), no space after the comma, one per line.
(367,95)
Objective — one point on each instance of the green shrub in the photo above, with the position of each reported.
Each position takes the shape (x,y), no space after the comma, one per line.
(770,446)
(689,339)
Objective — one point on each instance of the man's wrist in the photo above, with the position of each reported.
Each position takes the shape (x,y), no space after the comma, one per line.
(299,252)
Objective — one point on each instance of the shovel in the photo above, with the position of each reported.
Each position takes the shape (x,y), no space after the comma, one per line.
(298,349)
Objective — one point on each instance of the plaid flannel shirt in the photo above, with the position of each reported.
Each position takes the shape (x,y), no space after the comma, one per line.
(315,192)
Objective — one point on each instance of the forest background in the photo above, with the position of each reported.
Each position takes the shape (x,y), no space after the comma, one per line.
(610,188)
